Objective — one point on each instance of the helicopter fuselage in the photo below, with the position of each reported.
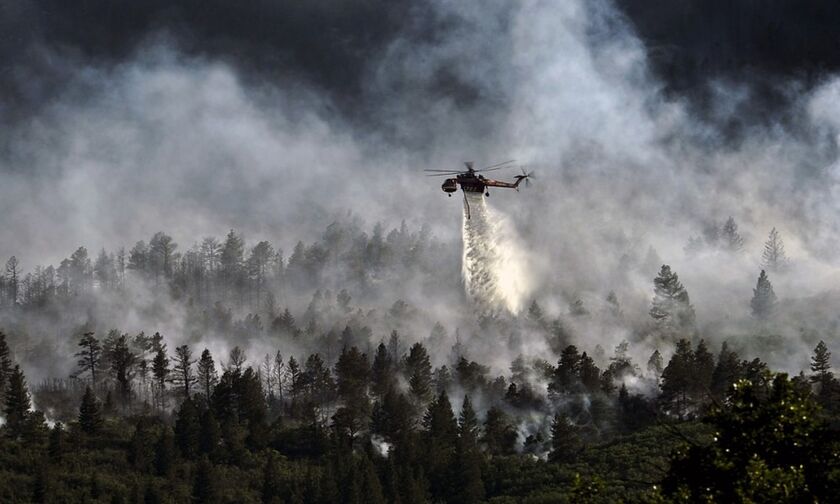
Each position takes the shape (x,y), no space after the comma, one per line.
(471,182)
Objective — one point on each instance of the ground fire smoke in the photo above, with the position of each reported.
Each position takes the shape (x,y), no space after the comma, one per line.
(494,267)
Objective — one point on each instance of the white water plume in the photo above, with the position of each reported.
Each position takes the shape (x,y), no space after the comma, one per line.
(494,266)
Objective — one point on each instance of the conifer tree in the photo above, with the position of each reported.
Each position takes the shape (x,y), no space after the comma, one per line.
(90,416)
(381,373)
(730,239)
(469,486)
(702,368)
(774,258)
(565,439)
(207,377)
(160,370)
(188,429)
(821,365)
(499,434)
(654,364)
(6,366)
(16,404)
(677,380)
(727,371)
(419,370)
(122,361)
(90,356)
(671,306)
(763,302)
(183,370)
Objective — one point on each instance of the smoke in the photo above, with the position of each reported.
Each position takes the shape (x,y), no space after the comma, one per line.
(495,267)
(187,138)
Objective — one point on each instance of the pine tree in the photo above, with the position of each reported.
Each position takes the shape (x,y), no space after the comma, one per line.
(703,366)
(727,371)
(671,306)
(677,380)
(654,365)
(764,299)
(821,365)
(122,361)
(774,258)
(567,372)
(183,371)
(90,417)
(382,375)
(565,439)
(6,366)
(160,370)
(17,404)
(207,376)
(499,434)
(419,370)
(90,356)
(188,429)
(470,488)
(13,279)
(730,239)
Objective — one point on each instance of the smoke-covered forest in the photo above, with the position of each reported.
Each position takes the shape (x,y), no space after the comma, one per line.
(228,372)
(226,278)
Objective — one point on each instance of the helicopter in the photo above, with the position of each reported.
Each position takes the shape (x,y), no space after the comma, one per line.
(472,180)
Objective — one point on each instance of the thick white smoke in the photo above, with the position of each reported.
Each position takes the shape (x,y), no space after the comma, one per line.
(494,267)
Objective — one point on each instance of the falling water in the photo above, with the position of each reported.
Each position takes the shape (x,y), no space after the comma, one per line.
(494,267)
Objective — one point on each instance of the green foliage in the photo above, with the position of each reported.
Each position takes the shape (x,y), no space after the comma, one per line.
(769,442)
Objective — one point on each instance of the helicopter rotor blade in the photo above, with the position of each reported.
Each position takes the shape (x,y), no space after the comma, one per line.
(499,164)
(493,169)
(441,174)
(443,171)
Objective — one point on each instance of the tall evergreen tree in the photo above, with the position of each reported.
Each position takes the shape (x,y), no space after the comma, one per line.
(774,258)
(469,486)
(654,364)
(727,371)
(160,370)
(418,368)
(183,369)
(763,302)
(13,279)
(671,306)
(730,239)
(90,356)
(17,404)
(821,365)
(188,429)
(90,416)
(122,361)
(382,374)
(6,365)
(677,382)
(207,376)
(499,434)
(565,439)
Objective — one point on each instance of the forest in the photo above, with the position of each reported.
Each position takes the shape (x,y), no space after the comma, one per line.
(306,379)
